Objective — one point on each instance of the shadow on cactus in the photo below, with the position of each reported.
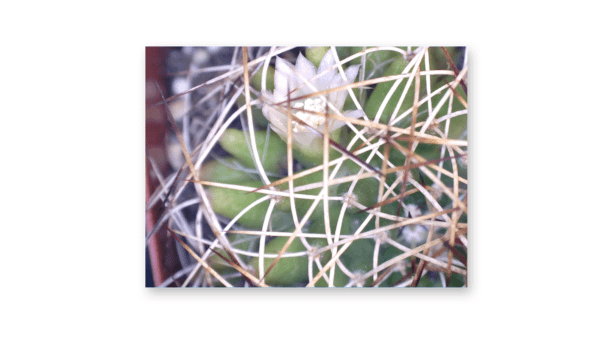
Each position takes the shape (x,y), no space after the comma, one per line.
(318,167)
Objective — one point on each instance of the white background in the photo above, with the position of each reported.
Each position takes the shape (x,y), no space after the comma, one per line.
(72,169)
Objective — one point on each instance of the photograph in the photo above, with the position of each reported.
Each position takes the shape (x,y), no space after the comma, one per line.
(304,166)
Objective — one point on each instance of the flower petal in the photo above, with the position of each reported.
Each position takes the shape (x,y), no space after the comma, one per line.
(281,84)
(339,97)
(306,72)
(277,119)
(327,62)
(354,113)
(305,139)
(336,124)
(285,77)
(351,73)
(279,96)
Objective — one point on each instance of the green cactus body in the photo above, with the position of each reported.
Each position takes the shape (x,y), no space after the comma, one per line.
(318,227)
(382,89)
(388,252)
(313,156)
(340,279)
(239,241)
(349,223)
(230,202)
(373,60)
(288,271)
(458,125)
(358,258)
(365,190)
(257,78)
(303,205)
(223,171)
(234,142)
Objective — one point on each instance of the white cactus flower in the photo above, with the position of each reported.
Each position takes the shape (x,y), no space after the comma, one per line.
(304,79)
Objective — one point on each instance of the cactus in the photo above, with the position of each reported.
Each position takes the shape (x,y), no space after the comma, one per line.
(373,141)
